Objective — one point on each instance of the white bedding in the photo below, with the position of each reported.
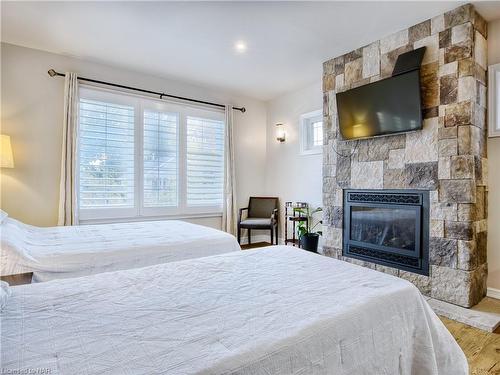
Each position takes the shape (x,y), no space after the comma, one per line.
(61,252)
(277,310)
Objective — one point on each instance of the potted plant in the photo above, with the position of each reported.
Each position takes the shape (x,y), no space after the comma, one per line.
(308,238)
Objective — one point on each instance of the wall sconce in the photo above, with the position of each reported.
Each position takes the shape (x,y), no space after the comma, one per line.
(280,133)
(6,158)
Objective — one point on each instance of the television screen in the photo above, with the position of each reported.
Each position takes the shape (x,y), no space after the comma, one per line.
(388,106)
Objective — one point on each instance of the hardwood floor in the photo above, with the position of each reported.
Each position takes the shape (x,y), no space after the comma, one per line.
(255,245)
(481,348)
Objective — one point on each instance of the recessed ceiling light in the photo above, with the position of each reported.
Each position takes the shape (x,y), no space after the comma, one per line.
(240,46)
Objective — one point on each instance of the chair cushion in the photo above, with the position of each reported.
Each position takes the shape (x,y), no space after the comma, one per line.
(256,223)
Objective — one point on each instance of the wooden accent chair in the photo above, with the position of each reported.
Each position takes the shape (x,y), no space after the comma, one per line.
(262,213)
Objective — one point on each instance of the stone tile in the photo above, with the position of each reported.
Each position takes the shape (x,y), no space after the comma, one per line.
(482,248)
(481,96)
(339,82)
(447,147)
(353,71)
(462,33)
(396,159)
(458,16)
(487,321)
(443,252)
(448,89)
(329,67)
(394,41)
(462,167)
(422,146)
(388,60)
(466,67)
(447,133)
(433,196)
(419,31)
(437,228)
(448,69)
(459,230)
(343,172)
(457,191)
(422,175)
(431,52)
(337,217)
(339,64)
(429,85)
(387,270)
(423,283)
(332,236)
(480,206)
(445,38)
(444,168)
(353,55)
(430,112)
(367,175)
(328,82)
(437,24)
(457,52)
(374,149)
(480,50)
(458,114)
(467,255)
(467,211)
(394,179)
(443,211)
(455,286)
(480,24)
(464,140)
(466,88)
(371,60)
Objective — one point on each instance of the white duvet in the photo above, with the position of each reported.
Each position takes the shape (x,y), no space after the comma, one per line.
(61,252)
(277,310)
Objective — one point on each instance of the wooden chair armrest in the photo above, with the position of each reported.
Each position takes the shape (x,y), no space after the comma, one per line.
(241,213)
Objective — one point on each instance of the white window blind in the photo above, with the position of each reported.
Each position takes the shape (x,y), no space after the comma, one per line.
(205,161)
(317,130)
(160,159)
(106,153)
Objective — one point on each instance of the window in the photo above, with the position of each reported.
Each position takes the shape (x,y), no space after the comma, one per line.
(311,133)
(494,100)
(141,157)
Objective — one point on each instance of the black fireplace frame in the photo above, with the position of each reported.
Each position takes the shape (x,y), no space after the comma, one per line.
(416,261)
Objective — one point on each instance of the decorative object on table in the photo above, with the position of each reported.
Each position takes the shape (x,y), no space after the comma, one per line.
(280,133)
(6,158)
(308,238)
(292,218)
(262,213)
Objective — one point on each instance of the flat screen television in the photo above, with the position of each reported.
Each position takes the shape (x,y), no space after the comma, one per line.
(392,105)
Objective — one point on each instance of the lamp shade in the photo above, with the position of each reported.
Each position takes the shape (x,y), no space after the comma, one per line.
(6,158)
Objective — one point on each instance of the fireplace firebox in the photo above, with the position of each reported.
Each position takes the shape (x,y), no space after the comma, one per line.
(388,227)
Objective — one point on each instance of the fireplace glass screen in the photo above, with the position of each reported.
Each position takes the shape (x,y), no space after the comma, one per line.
(389,227)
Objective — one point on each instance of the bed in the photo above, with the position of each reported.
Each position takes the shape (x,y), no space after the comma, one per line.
(276,310)
(71,251)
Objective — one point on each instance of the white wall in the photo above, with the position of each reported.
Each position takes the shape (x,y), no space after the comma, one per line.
(494,175)
(32,102)
(289,175)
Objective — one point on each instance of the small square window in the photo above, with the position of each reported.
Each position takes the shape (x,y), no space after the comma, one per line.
(311,133)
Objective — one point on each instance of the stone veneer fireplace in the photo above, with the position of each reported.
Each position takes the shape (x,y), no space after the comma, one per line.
(447,158)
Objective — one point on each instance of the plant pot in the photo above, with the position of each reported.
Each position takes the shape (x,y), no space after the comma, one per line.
(309,242)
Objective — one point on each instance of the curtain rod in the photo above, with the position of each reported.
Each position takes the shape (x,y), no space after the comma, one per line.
(53,73)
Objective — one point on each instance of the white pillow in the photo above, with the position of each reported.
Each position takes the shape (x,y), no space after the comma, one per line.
(3,216)
(5,293)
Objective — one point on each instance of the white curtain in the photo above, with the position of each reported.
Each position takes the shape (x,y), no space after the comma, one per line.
(68,206)
(229,210)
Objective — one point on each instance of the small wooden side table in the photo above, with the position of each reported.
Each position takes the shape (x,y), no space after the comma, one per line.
(18,279)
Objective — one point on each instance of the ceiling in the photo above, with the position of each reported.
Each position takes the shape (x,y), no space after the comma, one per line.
(286,42)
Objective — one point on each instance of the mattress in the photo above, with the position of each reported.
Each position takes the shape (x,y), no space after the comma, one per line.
(277,310)
(71,251)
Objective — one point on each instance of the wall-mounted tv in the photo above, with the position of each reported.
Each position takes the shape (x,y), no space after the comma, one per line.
(392,105)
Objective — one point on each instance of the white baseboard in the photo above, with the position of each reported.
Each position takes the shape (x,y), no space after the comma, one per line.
(493,293)
(259,238)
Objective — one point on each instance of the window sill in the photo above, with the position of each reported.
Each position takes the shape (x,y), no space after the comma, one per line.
(150,218)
